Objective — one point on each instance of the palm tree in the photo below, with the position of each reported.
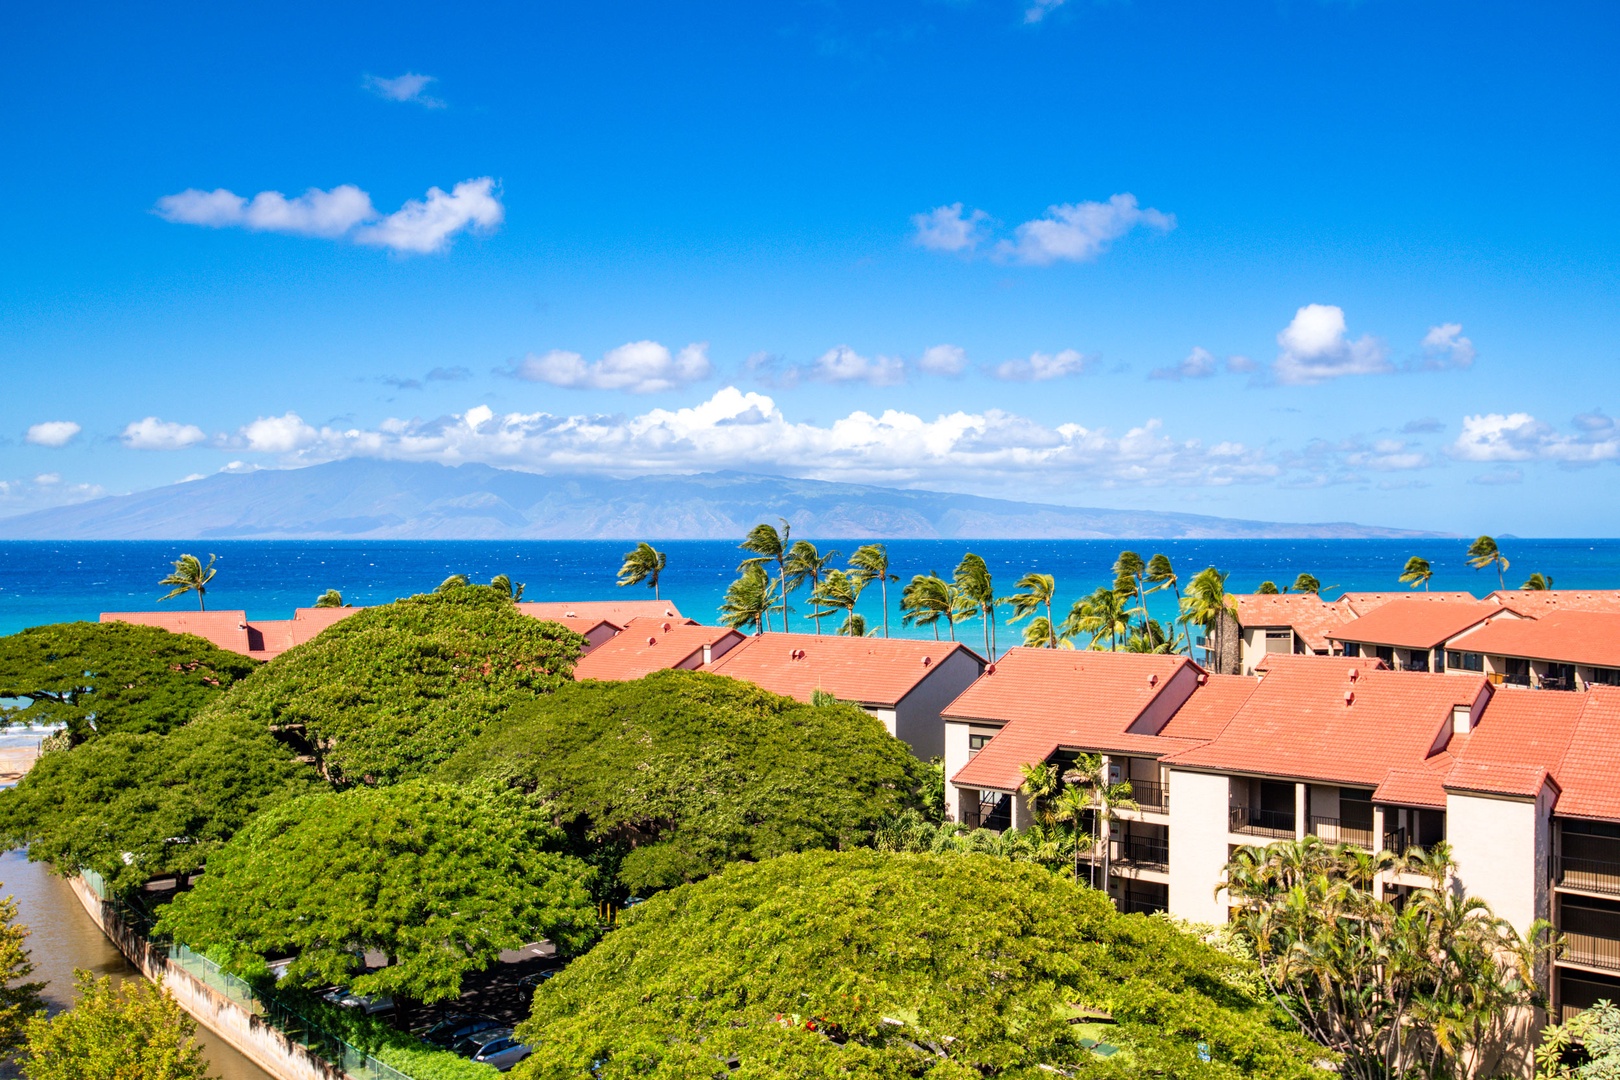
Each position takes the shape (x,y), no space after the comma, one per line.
(190,575)
(1071,806)
(503,585)
(1483,552)
(1102,612)
(1040,634)
(837,592)
(871,563)
(974,582)
(1538,582)
(645,563)
(770,546)
(1417,572)
(329,598)
(804,563)
(1267,588)
(748,599)
(1040,787)
(1148,636)
(1038,591)
(1090,773)
(854,626)
(1306,583)
(1163,576)
(454,581)
(1129,569)
(927,599)
(1208,604)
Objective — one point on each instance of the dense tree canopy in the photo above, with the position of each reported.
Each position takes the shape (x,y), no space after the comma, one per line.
(134,807)
(393,690)
(687,771)
(860,963)
(115,1033)
(99,678)
(19,999)
(439,879)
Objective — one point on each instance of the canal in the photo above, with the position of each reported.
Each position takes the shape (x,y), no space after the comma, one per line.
(63,938)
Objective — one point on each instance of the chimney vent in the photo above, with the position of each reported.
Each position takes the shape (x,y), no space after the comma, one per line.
(1355,673)
(652,641)
(990,668)
(1202,678)
(1153,679)
(1349,696)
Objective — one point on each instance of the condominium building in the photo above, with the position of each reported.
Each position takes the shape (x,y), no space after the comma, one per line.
(232,630)
(1410,634)
(648,645)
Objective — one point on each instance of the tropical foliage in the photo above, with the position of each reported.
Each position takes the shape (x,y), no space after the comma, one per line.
(1484,552)
(806,565)
(1417,572)
(665,779)
(99,678)
(393,690)
(1207,604)
(189,575)
(1585,1047)
(928,600)
(769,546)
(977,592)
(643,563)
(1422,987)
(437,878)
(134,1031)
(19,999)
(859,963)
(1538,582)
(838,592)
(1035,597)
(329,598)
(870,563)
(748,600)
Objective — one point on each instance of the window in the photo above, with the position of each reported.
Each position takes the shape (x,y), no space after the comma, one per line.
(1464,661)
(1279,641)
(977,743)
(1605,676)
(1352,648)
(1417,660)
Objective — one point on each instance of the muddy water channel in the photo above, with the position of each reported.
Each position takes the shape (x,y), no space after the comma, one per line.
(64,938)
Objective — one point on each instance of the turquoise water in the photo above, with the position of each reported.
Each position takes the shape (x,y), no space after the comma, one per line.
(50,581)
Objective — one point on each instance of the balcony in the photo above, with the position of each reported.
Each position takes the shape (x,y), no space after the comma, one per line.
(1335,831)
(1253,821)
(1589,875)
(1151,795)
(1142,853)
(1591,950)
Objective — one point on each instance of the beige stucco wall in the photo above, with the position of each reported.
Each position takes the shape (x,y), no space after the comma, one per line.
(1502,848)
(916,717)
(1199,804)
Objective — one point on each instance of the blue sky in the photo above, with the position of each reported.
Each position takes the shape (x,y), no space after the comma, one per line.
(1297,260)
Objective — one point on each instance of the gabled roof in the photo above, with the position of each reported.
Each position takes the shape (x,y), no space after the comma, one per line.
(1539,602)
(1051,699)
(1360,603)
(225,629)
(577,615)
(1569,637)
(1300,724)
(278,635)
(647,645)
(1492,778)
(1416,624)
(870,671)
(1211,707)
(1590,765)
(1309,615)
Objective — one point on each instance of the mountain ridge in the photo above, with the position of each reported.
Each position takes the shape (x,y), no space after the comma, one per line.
(371,499)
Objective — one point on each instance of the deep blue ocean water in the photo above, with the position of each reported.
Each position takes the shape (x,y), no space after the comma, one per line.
(51,581)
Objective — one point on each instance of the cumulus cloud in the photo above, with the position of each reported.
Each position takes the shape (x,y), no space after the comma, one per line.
(1202,364)
(1445,347)
(842,364)
(154,434)
(345,211)
(278,434)
(947,360)
(1079,232)
(53,433)
(950,228)
(1041,367)
(1510,437)
(407,87)
(639,367)
(21,496)
(1316,347)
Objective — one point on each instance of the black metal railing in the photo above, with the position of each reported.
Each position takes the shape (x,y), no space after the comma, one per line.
(1592,875)
(1591,950)
(1277,824)
(1141,901)
(1397,842)
(1135,851)
(1150,794)
(1335,831)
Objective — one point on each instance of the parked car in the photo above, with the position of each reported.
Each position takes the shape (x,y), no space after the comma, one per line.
(472,1045)
(502,1052)
(348,999)
(530,981)
(457,1026)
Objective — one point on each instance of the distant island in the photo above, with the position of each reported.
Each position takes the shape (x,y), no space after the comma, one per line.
(367,499)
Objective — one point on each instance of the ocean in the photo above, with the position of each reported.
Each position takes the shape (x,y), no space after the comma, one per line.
(54,581)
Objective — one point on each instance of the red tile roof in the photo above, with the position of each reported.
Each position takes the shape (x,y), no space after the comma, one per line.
(1566,636)
(1492,778)
(1309,615)
(1360,603)
(869,671)
(574,614)
(647,645)
(1211,707)
(225,629)
(1538,602)
(1590,765)
(1416,624)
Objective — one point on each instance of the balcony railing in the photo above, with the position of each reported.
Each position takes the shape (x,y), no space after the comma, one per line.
(1591,950)
(1277,824)
(1592,875)
(1335,831)
(1147,854)
(1144,900)
(1397,842)
(1150,794)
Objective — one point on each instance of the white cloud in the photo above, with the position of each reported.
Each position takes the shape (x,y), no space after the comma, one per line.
(1040,9)
(842,364)
(947,360)
(639,367)
(43,492)
(949,228)
(1041,367)
(1079,232)
(53,433)
(48,479)
(407,87)
(154,434)
(1445,347)
(278,434)
(419,226)
(1502,437)
(1316,347)
(1202,364)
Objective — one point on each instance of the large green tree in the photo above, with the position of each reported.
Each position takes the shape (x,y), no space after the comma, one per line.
(135,807)
(99,678)
(438,878)
(860,963)
(19,998)
(135,1031)
(682,772)
(391,691)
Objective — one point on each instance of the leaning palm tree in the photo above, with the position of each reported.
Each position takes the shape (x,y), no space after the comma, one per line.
(973,581)
(804,564)
(1267,588)
(645,563)
(838,592)
(926,600)
(1484,552)
(1417,572)
(1038,590)
(189,575)
(748,599)
(854,625)
(1129,571)
(1207,604)
(454,581)
(503,585)
(1090,773)
(1163,576)
(1538,582)
(1148,636)
(1306,583)
(871,563)
(768,545)
(1102,612)
(329,598)
(1042,634)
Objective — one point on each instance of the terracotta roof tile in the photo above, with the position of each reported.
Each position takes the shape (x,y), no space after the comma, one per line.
(1587,773)
(1309,615)
(1211,707)
(1414,787)
(1361,603)
(647,645)
(575,614)
(870,671)
(1495,778)
(1416,624)
(1538,602)
(225,629)
(1567,636)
